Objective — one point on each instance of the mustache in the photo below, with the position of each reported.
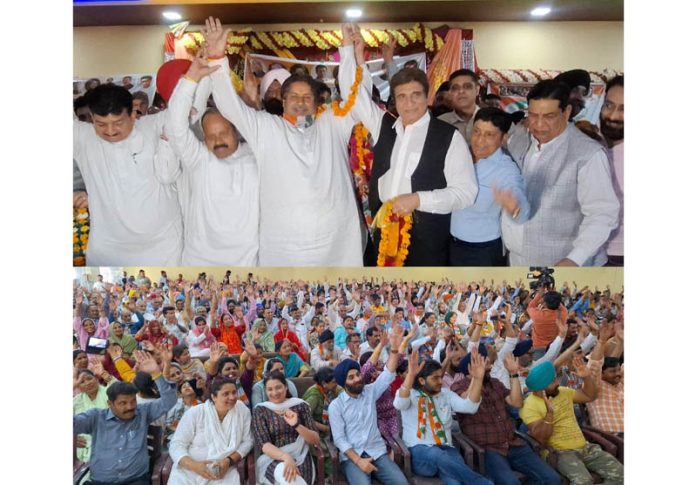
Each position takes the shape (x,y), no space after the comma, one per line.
(222,145)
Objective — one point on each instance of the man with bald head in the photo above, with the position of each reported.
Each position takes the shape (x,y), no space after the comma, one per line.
(219,184)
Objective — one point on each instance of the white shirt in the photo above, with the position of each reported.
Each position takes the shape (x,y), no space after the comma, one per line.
(135,219)
(596,198)
(446,403)
(220,197)
(459,171)
(309,215)
(383,356)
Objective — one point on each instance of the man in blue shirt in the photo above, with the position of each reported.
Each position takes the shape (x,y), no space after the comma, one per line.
(119,433)
(476,234)
(353,419)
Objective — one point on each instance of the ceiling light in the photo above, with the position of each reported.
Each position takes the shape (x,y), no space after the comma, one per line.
(540,11)
(353,13)
(171,15)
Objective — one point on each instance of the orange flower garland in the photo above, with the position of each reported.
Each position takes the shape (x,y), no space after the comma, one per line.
(395,235)
(80,236)
(350,102)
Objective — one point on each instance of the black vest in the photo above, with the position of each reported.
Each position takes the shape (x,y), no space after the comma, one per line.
(430,232)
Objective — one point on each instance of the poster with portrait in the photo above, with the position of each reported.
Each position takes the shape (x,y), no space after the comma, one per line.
(145,83)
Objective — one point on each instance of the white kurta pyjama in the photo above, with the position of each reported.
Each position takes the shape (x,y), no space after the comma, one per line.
(309,212)
(219,197)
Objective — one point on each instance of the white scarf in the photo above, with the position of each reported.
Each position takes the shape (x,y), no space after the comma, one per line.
(298,449)
(224,437)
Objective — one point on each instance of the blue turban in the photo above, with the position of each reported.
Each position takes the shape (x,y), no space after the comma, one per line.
(522,348)
(541,376)
(464,363)
(342,369)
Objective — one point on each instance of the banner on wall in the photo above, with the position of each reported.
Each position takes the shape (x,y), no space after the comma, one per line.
(263,63)
(132,82)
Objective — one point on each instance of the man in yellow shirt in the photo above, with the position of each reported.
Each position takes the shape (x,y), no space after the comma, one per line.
(549,414)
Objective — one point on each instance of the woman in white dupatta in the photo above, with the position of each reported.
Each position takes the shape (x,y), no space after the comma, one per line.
(284,428)
(216,434)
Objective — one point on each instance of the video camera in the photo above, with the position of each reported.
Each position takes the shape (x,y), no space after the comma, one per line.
(543,277)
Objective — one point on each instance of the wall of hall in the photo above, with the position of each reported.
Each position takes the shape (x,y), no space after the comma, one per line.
(600,277)
(103,51)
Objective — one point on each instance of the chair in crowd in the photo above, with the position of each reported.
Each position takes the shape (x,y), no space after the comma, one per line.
(246,469)
(479,457)
(154,448)
(552,453)
(302,384)
(584,420)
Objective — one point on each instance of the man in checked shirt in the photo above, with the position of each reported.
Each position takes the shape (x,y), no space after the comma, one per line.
(606,412)
(493,429)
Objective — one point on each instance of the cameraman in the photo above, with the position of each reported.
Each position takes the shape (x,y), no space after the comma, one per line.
(544,309)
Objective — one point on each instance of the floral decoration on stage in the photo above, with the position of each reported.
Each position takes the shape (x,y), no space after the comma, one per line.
(395,235)
(280,43)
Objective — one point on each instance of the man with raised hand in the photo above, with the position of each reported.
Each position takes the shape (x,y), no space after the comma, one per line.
(426,413)
(353,419)
(219,186)
(307,203)
(119,433)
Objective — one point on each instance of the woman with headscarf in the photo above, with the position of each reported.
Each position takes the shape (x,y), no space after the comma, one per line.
(260,334)
(218,430)
(118,335)
(153,332)
(294,365)
(86,328)
(228,333)
(189,366)
(284,333)
(284,428)
(200,338)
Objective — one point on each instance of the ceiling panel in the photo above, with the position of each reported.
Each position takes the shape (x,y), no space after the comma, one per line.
(274,12)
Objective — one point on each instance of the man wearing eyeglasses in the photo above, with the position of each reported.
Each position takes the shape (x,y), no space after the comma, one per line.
(463,90)
(568,186)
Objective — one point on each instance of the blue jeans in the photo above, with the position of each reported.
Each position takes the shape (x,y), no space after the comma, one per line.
(387,472)
(446,463)
(524,460)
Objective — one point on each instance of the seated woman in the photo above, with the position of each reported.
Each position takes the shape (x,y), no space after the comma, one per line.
(284,333)
(84,329)
(118,335)
(91,396)
(316,327)
(258,391)
(189,366)
(226,331)
(284,427)
(218,431)
(153,332)
(189,396)
(80,362)
(294,365)
(228,368)
(200,338)
(260,334)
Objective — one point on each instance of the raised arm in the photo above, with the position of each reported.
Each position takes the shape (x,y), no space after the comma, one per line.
(231,106)
(364,110)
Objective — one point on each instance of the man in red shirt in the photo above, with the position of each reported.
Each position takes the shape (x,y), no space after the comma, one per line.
(544,309)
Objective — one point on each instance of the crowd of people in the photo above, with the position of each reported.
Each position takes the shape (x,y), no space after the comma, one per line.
(263,177)
(218,364)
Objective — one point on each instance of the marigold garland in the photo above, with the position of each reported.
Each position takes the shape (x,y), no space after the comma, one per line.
(80,236)
(336,107)
(395,235)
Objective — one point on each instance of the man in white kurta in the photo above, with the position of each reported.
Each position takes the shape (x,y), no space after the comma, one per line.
(220,196)
(134,212)
(309,213)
